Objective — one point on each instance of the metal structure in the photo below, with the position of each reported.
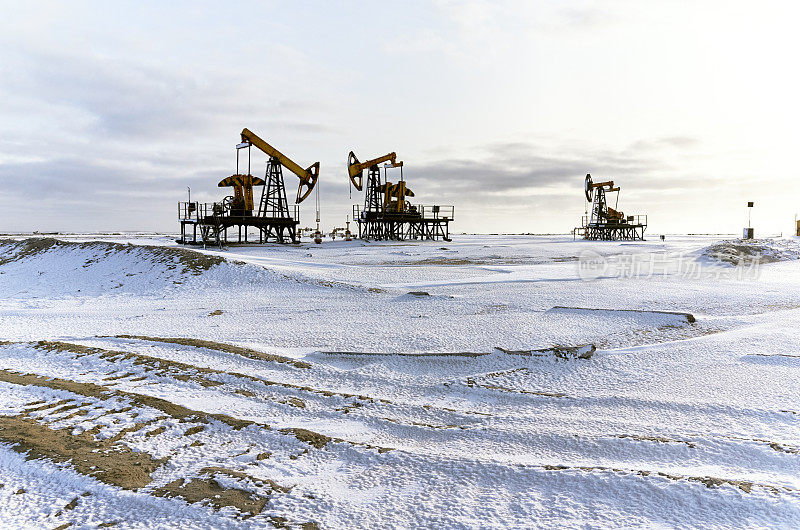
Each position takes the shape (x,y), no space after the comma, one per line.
(604,223)
(748,233)
(274,219)
(386,213)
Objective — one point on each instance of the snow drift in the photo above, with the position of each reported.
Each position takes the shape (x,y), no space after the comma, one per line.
(744,251)
(213,371)
(45,266)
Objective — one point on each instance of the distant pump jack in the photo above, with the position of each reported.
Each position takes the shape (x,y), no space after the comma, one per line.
(386,213)
(605,223)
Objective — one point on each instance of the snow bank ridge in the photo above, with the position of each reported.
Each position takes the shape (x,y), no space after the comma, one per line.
(743,251)
(52,267)
(185,261)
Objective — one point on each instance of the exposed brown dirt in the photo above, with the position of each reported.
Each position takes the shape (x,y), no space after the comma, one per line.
(138,426)
(110,461)
(312,438)
(119,376)
(470,382)
(295,402)
(45,406)
(422,424)
(561,352)
(221,346)
(156,431)
(178,370)
(244,476)
(193,430)
(709,482)
(90,389)
(105,460)
(784,448)
(585,351)
(171,409)
(655,439)
(174,369)
(84,389)
(26,248)
(208,490)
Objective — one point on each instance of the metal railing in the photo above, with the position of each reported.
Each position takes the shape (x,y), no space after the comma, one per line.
(436,211)
(188,211)
(627,220)
(426,211)
(294,210)
(198,211)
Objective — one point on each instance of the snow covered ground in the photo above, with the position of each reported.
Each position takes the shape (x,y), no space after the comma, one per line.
(385,385)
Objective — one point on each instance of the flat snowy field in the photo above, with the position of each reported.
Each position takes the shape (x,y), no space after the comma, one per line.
(394,385)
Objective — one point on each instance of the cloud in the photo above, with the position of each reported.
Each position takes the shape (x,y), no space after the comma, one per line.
(668,142)
(508,168)
(86,131)
(116,100)
(534,181)
(584,18)
(114,119)
(77,181)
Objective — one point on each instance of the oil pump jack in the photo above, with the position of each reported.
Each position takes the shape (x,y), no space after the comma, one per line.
(601,212)
(605,222)
(386,213)
(376,196)
(273,219)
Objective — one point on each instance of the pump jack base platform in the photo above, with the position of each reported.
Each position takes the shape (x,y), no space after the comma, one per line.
(214,230)
(403,226)
(614,232)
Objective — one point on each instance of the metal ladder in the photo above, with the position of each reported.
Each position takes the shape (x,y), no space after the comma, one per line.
(213,230)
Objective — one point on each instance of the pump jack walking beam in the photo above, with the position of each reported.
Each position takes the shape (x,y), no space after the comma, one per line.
(356,168)
(308,177)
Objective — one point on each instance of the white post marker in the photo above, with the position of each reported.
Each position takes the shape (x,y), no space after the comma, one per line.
(748,232)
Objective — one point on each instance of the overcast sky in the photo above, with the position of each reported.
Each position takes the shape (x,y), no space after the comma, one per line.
(110,109)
